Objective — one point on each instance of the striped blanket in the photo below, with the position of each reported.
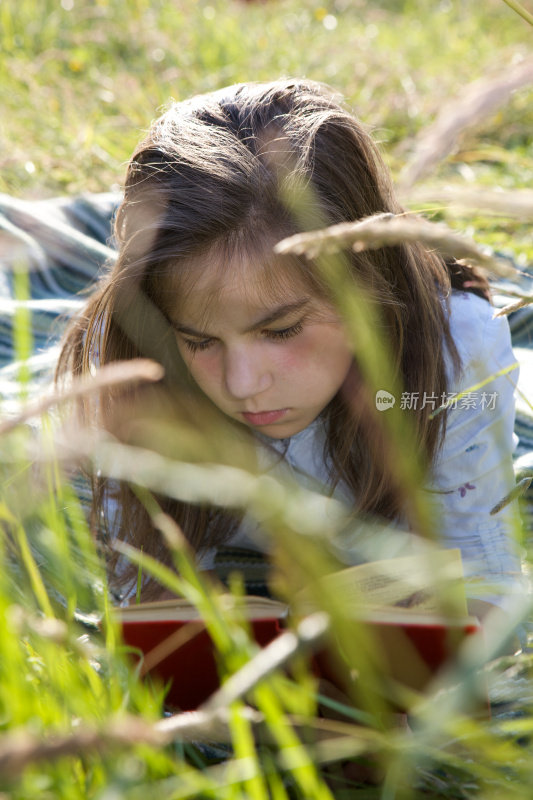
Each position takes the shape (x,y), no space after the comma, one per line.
(52,252)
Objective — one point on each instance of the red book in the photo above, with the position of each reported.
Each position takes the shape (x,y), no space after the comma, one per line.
(411,639)
(178,649)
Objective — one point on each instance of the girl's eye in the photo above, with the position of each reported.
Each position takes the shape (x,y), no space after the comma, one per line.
(285,333)
(195,346)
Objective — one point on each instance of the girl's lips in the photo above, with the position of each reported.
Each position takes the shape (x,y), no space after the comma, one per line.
(264,417)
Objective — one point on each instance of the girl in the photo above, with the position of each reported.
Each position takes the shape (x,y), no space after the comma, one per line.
(255,335)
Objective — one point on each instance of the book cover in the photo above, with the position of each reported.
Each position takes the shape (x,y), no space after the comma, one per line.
(399,601)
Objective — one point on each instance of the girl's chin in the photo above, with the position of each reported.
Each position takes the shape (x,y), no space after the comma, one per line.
(281,430)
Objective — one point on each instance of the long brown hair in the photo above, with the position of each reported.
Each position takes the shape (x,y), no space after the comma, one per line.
(207,176)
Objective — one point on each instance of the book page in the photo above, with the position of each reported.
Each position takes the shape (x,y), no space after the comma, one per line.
(180,610)
(426,582)
(429,582)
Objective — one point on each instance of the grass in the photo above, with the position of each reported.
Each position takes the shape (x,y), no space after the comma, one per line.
(81,80)
(79,83)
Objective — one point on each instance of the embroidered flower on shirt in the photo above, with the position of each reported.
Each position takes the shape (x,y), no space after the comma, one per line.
(462,489)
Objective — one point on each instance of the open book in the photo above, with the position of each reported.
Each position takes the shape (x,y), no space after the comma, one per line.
(414,607)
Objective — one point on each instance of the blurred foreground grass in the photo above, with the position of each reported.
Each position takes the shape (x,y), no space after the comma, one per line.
(78,82)
(77,723)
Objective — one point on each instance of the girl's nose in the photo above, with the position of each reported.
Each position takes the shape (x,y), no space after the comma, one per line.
(245,375)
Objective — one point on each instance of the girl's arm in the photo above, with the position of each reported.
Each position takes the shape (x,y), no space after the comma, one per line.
(474,469)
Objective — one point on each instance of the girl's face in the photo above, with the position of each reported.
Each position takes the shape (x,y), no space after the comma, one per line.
(273,364)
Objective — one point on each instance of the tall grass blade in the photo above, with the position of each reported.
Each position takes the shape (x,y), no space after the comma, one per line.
(517,204)
(385,231)
(473,105)
(520,10)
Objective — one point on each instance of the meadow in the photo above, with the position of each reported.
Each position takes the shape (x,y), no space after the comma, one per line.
(446,88)
(79,82)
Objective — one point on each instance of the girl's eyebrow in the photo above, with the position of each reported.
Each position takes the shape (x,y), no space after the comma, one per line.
(275,314)
(279,313)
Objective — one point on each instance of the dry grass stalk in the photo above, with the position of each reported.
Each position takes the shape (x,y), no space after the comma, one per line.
(389,230)
(210,722)
(498,288)
(214,483)
(275,655)
(522,303)
(173,642)
(20,750)
(477,102)
(517,204)
(270,658)
(123,372)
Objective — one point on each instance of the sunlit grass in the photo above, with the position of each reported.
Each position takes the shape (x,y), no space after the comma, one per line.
(80,81)
(98,71)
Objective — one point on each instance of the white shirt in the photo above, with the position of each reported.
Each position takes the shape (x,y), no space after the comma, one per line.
(471,474)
